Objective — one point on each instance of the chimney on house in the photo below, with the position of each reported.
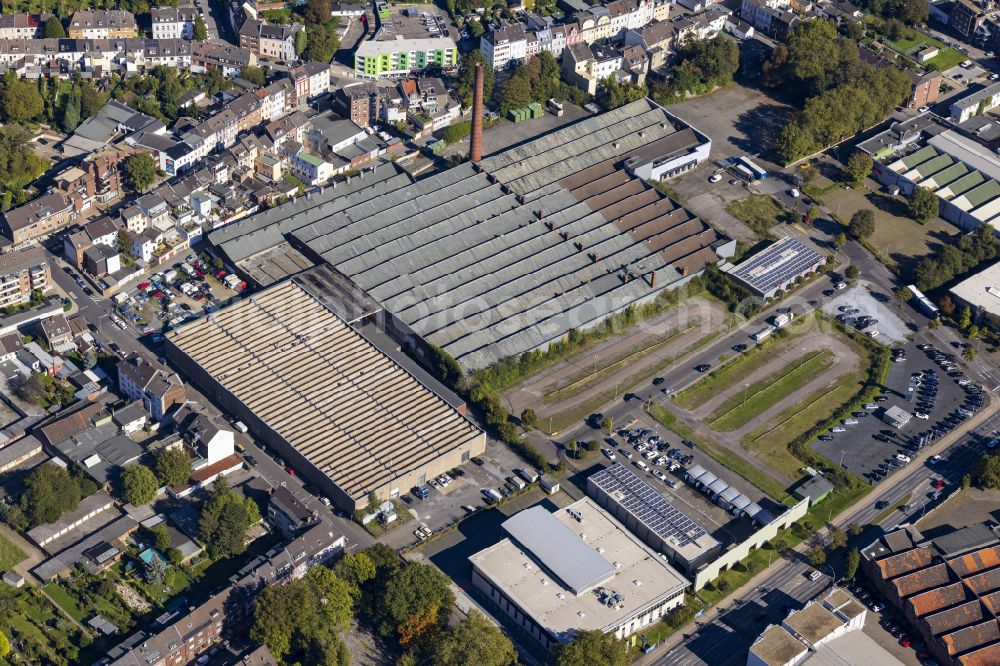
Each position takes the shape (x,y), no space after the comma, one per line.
(476,142)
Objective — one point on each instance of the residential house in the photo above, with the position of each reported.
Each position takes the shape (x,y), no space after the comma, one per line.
(57,331)
(102,24)
(311,169)
(966,17)
(23,25)
(311,79)
(360,103)
(101,260)
(159,389)
(585,66)
(174,22)
(228,59)
(287,514)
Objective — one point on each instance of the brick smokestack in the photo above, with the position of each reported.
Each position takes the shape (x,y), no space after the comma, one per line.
(476,142)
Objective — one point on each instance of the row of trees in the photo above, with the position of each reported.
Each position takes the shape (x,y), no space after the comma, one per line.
(701,67)
(158,93)
(139,483)
(19,166)
(955,259)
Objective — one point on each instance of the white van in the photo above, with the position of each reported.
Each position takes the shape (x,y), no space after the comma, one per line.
(814,575)
(902,458)
(641,465)
(239,425)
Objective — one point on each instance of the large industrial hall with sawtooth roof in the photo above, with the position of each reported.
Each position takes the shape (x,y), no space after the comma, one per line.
(343,413)
(505,256)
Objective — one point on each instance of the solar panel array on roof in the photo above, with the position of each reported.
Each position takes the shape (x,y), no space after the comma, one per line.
(559,550)
(649,506)
(777,265)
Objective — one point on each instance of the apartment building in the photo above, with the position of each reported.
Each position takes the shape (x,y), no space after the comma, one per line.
(311,79)
(21,273)
(102,24)
(406,41)
(360,103)
(273,41)
(49,212)
(158,388)
(173,22)
(228,59)
(23,26)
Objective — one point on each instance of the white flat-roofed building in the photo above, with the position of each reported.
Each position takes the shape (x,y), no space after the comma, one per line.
(778,266)
(981,292)
(575,569)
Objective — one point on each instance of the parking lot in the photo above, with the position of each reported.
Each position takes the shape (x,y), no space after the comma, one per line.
(869,447)
(173,296)
(860,301)
(463,494)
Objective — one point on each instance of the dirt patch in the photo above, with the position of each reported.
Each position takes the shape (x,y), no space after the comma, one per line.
(132,599)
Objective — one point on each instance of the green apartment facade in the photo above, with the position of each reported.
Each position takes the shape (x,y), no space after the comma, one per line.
(375,59)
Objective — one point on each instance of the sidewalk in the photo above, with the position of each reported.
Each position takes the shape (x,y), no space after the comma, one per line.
(841,520)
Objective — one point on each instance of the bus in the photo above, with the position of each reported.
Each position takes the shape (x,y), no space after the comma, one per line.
(922,303)
(758,173)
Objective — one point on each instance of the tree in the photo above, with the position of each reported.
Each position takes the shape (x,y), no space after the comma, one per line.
(859,165)
(444,364)
(965,318)
(837,537)
(465,81)
(140,171)
(852,272)
(302,42)
(851,565)
(89,359)
(969,354)
(515,94)
(854,529)
(474,640)
(476,28)
(175,555)
(49,492)
(816,556)
(606,424)
(415,591)
(592,648)
(946,305)
(161,537)
(139,484)
(54,28)
(840,241)
(155,571)
(254,75)
(905,295)
(355,568)
(615,94)
(317,11)
(923,204)
(19,100)
(224,521)
(986,472)
(966,481)
(173,467)
(862,223)
(200,30)
(4,645)
(529,418)
(91,99)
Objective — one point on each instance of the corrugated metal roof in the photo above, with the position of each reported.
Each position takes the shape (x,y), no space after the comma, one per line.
(558,549)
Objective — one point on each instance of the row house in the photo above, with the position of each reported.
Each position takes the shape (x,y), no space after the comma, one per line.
(273,41)
(102,24)
(23,26)
(276,99)
(311,79)
(97,57)
(173,22)
(228,59)
(768,17)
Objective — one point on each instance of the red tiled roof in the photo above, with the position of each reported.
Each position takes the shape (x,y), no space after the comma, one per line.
(937,599)
(958,617)
(911,560)
(985,582)
(922,580)
(970,563)
(987,656)
(972,638)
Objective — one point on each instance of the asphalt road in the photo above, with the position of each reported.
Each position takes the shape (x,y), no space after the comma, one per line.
(726,639)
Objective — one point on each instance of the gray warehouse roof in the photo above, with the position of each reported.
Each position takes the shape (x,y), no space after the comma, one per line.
(490,261)
(564,554)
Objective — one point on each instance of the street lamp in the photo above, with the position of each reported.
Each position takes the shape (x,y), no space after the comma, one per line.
(833,574)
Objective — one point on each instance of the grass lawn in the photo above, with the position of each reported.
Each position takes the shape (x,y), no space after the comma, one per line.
(10,554)
(64,599)
(916,41)
(762,480)
(737,369)
(759,211)
(758,398)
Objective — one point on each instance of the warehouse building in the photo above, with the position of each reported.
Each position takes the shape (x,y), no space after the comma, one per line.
(575,569)
(777,267)
(339,410)
(964,174)
(948,588)
(505,256)
(641,508)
